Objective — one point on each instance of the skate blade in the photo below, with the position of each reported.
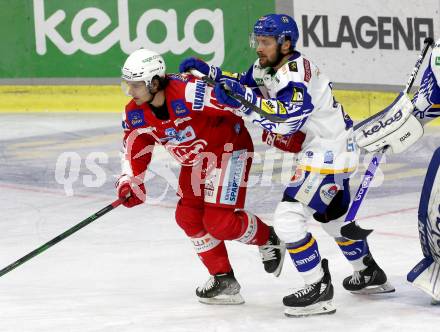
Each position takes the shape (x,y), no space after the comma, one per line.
(277,272)
(384,288)
(223,299)
(435,302)
(320,308)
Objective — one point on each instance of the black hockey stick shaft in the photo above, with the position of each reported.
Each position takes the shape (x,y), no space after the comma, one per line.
(241,99)
(60,237)
(428,42)
(351,230)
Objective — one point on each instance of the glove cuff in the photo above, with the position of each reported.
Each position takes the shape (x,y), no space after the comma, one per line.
(215,73)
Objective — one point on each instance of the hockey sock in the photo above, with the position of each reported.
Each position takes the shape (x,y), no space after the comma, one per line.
(354,251)
(306,258)
(253,230)
(212,252)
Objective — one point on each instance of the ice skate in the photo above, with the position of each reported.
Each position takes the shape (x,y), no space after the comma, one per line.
(220,289)
(314,299)
(272,254)
(371,280)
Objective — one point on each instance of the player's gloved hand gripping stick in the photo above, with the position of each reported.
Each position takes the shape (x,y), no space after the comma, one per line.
(351,230)
(241,99)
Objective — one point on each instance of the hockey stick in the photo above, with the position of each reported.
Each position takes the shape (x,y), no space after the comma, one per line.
(351,230)
(60,237)
(241,99)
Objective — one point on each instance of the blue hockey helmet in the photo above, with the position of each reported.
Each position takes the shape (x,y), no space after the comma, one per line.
(280,26)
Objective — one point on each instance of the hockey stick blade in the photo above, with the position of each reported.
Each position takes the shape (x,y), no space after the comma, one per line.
(353,231)
(60,237)
(241,99)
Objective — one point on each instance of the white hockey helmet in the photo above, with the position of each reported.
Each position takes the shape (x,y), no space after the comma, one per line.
(143,65)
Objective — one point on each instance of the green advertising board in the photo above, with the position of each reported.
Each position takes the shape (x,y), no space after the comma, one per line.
(91,38)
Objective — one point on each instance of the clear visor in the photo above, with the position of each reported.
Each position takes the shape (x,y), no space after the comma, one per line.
(264,41)
(128,87)
(253,40)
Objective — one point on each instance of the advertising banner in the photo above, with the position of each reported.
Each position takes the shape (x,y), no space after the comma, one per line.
(91,38)
(366,42)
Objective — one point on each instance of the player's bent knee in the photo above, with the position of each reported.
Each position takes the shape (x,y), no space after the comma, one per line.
(189,217)
(290,221)
(221,223)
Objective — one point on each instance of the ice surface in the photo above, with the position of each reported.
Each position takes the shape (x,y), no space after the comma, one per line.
(134,269)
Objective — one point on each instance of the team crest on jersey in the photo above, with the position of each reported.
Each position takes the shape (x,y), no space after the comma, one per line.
(297,95)
(437,61)
(293,66)
(136,118)
(179,107)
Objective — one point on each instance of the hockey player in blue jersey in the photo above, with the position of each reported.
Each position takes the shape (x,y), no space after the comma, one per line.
(284,83)
(404,131)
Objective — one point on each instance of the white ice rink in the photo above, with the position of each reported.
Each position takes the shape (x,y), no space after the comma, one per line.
(135,270)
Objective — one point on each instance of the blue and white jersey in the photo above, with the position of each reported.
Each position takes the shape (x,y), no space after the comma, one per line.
(427,99)
(301,94)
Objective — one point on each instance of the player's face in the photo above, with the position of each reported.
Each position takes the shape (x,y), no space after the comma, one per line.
(267,50)
(138,91)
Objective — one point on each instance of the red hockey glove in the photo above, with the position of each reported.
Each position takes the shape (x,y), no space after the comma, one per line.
(131,189)
(291,143)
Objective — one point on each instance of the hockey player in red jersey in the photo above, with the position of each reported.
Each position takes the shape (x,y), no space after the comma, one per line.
(213,146)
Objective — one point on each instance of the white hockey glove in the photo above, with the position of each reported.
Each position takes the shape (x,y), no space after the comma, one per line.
(398,128)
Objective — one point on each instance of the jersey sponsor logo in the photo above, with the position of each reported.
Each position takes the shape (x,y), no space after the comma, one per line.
(297,95)
(259,81)
(234,173)
(199,96)
(307,71)
(328,157)
(351,146)
(136,118)
(267,106)
(382,125)
(437,60)
(293,66)
(211,186)
(328,192)
(179,107)
(176,137)
(297,178)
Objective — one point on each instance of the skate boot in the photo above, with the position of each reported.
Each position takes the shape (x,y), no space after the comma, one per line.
(314,299)
(371,280)
(220,289)
(272,254)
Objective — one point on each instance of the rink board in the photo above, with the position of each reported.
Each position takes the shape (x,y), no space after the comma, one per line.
(109,98)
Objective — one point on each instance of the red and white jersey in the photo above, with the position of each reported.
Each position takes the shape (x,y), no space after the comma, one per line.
(196,124)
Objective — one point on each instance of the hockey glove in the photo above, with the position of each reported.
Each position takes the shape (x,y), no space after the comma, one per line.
(291,143)
(131,190)
(224,90)
(212,72)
